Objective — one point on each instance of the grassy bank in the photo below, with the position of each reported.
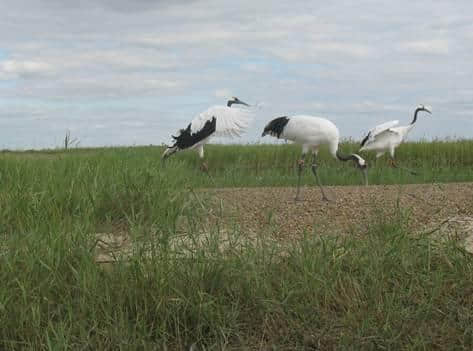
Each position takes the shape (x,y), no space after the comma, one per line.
(389,290)
(275,165)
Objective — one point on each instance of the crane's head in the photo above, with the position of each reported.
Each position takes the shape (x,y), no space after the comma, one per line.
(427,109)
(235,100)
(169,151)
(362,166)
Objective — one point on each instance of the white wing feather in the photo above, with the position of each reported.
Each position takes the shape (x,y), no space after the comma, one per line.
(231,121)
(374,133)
(382,127)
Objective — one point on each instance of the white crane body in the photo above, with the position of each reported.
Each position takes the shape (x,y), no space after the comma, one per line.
(387,136)
(311,132)
(225,121)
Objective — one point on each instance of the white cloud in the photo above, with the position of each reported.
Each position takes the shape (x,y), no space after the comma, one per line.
(326,51)
(368,106)
(125,59)
(118,85)
(209,36)
(341,59)
(427,47)
(223,93)
(24,69)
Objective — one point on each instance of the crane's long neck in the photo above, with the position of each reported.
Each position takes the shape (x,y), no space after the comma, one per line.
(338,154)
(343,157)
(415,116)
(360,162)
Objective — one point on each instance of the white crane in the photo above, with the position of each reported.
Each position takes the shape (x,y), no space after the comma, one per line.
(229,121)
(387,136)
(312,132)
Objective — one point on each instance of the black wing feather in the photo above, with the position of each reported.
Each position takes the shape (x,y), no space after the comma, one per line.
(188,139)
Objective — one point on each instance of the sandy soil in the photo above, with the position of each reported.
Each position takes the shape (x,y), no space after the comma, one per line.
(440,209)
(351,208)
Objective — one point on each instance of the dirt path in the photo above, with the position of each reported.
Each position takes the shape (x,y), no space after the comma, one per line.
(447,208)
(351,208)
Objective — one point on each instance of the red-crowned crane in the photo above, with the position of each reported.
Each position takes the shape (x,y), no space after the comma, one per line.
(312,132)
(387,136)
(227,121)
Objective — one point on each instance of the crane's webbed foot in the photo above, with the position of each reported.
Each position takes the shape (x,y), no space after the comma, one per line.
(299,198)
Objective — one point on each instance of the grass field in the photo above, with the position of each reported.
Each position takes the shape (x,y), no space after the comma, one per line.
(382,289)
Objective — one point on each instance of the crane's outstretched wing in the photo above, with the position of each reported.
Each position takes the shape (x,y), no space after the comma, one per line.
(379,129)
(187,138)
(231,121)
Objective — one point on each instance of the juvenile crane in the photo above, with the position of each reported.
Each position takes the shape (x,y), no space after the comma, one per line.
(312,132)
(227,121)
(386,137)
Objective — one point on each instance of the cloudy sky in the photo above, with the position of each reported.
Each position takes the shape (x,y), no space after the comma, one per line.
(131,72)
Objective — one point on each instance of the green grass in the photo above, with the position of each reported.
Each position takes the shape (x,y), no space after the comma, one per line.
(388,289)
(275,165)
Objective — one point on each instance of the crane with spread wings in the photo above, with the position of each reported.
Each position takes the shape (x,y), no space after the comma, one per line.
(225,121)
(387,136)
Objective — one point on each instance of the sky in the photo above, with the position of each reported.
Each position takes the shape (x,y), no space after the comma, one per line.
(132,72)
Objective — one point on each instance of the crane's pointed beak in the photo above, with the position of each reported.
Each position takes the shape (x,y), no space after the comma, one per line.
(238,101)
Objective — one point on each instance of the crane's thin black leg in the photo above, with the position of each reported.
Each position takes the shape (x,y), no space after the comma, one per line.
(300,165)
(314,170)
(205,168)
(393,164)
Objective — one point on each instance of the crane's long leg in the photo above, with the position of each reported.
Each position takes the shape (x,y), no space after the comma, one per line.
(393,164)
(300,165)
(205,168)
(314,170)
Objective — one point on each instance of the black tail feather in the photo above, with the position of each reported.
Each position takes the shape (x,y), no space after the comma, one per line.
(187,139)
(276,126)
(363,142)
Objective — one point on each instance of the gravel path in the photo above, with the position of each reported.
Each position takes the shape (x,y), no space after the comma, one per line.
(442,209)
(351,210)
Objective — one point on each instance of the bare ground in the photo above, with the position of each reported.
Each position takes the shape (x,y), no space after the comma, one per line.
(351,209)
(439,209)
